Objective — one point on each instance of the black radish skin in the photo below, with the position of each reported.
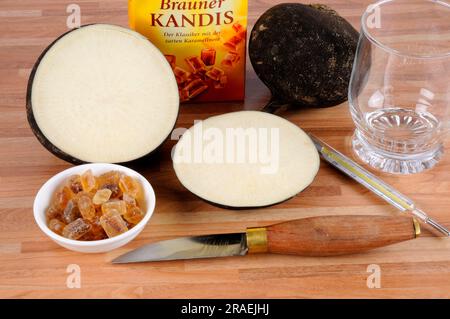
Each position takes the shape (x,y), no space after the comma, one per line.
(304,54)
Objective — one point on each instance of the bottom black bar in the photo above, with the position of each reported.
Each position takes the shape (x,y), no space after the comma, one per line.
(233,308)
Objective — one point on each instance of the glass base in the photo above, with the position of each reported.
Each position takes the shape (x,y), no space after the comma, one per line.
(394,163)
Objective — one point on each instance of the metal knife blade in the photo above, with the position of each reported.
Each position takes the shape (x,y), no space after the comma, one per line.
(209,246)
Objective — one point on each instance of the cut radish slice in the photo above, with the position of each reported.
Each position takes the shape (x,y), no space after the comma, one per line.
(102,93)
(245,159)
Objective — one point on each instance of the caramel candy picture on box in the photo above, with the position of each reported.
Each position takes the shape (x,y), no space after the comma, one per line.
(203,40)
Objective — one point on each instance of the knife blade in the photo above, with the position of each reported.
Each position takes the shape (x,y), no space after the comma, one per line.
(314,236)
(209,246)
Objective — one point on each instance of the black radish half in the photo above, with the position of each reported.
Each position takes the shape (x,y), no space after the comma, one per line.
(102,93)
(303,54)
(245,159)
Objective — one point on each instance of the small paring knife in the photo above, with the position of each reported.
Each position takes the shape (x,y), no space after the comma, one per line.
(315,236)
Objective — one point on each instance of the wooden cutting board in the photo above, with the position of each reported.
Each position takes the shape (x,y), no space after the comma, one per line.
(33,266)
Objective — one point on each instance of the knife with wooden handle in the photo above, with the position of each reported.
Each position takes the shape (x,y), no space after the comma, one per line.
(314,236)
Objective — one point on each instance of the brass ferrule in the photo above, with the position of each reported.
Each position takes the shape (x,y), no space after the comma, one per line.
(257,240)
(416,227)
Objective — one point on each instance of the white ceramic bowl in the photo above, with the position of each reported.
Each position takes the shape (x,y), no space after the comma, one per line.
(46,192)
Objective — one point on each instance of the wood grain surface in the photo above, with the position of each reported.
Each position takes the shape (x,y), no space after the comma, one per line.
(33,266)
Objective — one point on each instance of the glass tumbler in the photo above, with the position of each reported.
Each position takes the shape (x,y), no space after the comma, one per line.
(399,90)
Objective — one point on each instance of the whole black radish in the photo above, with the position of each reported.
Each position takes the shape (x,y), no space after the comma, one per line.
(303,54)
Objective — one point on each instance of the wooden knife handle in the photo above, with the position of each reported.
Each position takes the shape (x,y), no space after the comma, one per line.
(331,235)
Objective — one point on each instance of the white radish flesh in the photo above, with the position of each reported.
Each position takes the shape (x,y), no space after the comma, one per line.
(283,173)
(103,93)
